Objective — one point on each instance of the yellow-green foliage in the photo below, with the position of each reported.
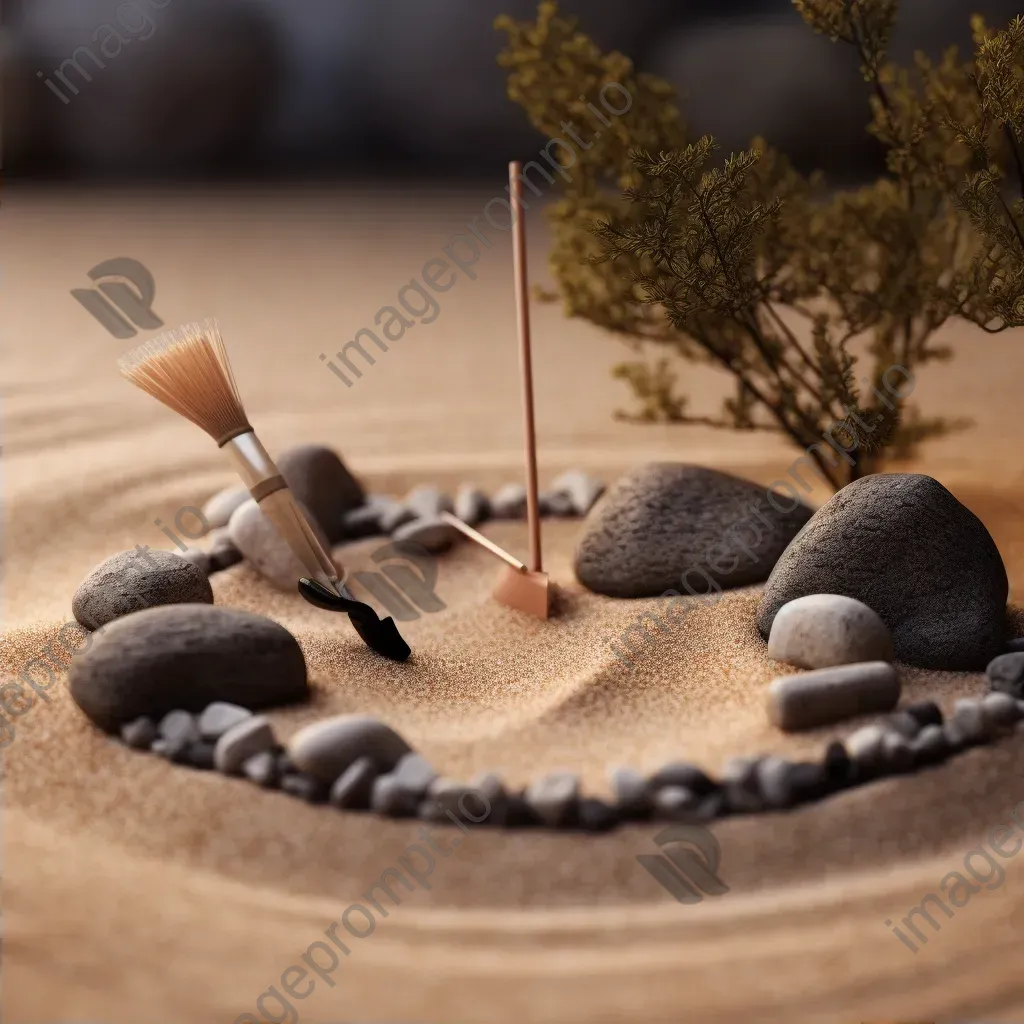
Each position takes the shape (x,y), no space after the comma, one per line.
(747,265)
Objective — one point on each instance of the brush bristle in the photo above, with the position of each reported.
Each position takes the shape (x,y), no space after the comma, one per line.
(188,370)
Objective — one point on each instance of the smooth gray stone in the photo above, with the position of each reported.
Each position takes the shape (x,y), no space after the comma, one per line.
(1006,674)
(304,787)
(427,502)
(593,815)
(131,581)
(673,527)
(413,773)
(865,747)
(471,505)
(583,490)
(322,485)
(556,504)
(927,712)
(968,725)
(241,742)
(681,773)
(632,797)
(218,717)
(352,789)
(739,783)
(390,798)
(432,533)
(222,553)
(775,781)
(553,797)
(185,656)
(218,509)
(930,745)
(822,630)
(904,545)
(676,803)
(446,794)
(897,754)
(904,723)
(828,695)
(140,733)
(400,514)
(492,789)
(326,748)
(509,502)
(261,768)
(1000,709)
(168,749)
(179,727)
(256,536)
(199,755)
(364,521)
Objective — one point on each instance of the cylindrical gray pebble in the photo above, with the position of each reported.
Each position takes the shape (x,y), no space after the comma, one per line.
(832,694)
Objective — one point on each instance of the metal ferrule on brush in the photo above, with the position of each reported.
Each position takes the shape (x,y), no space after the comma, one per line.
(268,488)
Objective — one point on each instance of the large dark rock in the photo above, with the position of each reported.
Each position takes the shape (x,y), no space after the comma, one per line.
(904,546)
(668,519)
(321,483)
(185,656)
(132,580)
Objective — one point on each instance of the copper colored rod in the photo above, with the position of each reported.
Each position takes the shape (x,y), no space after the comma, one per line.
(484,542)
(515,182)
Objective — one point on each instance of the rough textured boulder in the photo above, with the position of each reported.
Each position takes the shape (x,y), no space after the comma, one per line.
(904,546)
(185,656)
(668,519)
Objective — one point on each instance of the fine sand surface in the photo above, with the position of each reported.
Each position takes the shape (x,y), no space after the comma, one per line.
(137,891)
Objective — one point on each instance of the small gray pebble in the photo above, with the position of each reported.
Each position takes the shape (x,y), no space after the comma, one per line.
(583,489)
(303,786)
(222,553)
(520,814)
(808,781)
(352,789)
(471,505)
(553,797)
(363,522)
(865,747)
(166,748)
(414,774)
(390,798)
(680,773)
(930,746)
(967,726)
(1014,645)
(179,726)
(241,741)
(740,784)
(220,716)
(140,733)
(632,798)
(198,755)
(904,723)
(1000,709)
(595,815)
(400,514)
(897,755)
(509,502)
(556,503)
(490,787)
(828,695)
(676,803)
(218,509)
(1006,674)
(261,768)
(427,502)
(774,781)
(326,748)
(431,533)
(927,712)
(443,795)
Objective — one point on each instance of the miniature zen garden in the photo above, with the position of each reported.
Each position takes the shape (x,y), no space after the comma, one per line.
(824,660)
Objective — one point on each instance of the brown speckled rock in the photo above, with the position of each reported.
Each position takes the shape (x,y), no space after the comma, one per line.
(666,519)
(322,484)
(132,580)
(185,656)
(904,546)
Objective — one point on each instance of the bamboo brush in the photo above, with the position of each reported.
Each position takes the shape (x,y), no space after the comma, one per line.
(188,371)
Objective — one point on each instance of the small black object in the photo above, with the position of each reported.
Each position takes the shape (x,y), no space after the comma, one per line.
(380,634)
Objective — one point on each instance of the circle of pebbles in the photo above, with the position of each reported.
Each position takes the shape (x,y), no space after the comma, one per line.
(358,763)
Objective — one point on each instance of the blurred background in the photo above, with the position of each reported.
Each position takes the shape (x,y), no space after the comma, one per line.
(335,89)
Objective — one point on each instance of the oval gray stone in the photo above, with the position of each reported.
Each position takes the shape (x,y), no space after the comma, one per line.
(433,534)
(904,546)
(582,489)
(219,508)
(220,716)
(185,656)
(322,485)
(133,580)
(822,630)
(471,504)
(241,742)
(829,695)
(509,502)
(265,549)
(1006,674)
(326,748)
(553,797)
(670,526)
